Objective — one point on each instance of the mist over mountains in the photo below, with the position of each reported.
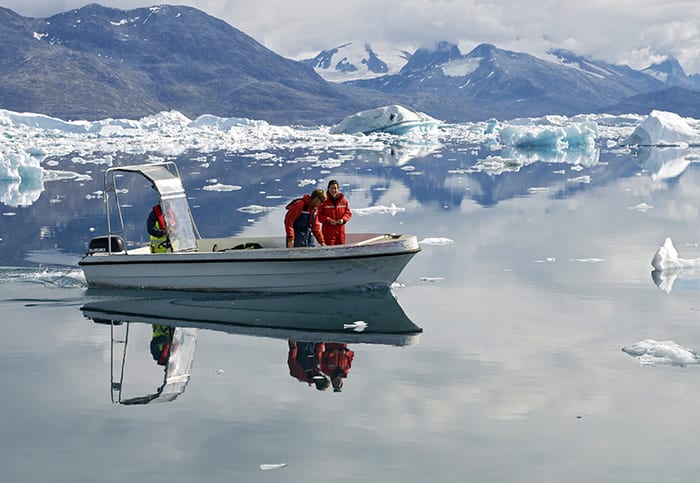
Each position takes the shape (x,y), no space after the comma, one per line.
(97,62)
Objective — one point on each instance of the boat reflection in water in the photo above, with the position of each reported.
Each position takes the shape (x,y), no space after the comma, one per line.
(172,322)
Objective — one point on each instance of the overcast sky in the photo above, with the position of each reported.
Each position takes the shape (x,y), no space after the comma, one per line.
(637,33)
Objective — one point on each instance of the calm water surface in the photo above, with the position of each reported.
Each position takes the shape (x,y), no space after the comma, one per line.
(528,285)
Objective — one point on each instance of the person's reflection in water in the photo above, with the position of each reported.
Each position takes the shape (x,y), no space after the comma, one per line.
(336,360)
(161,342)
(304,361)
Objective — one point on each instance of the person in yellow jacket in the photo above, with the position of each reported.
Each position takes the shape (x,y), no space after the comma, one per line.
(157,230)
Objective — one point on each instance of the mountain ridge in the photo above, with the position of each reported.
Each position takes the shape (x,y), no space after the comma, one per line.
(97,62)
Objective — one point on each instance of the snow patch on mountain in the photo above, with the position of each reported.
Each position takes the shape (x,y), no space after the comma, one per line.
(357,60)
(460,67)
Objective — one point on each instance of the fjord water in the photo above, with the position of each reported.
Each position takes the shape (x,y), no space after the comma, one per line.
(530,281)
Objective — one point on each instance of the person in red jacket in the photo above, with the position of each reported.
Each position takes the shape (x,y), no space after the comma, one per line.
(301,221)
(304,362)
(334,213)
(336,360)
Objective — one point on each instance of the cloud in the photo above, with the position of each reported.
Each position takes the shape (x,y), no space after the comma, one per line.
(636,33)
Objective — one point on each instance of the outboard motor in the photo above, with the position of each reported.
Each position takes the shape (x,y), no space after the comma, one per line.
(106,244)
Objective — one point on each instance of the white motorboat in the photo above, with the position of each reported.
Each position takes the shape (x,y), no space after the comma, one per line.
(250,264)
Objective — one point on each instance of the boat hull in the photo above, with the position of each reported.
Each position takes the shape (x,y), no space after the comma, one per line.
(274,270)
(328,317)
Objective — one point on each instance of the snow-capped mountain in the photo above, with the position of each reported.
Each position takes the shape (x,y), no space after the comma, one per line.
(672,74)
(96,62)
(489,81)
(357,60)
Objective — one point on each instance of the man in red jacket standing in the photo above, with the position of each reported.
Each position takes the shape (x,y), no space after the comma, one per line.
(334,213)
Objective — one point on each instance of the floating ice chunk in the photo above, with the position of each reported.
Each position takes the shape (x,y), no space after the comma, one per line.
(221,187)
(432,279)
(661,128)
(436,241)
(255,209)
(272,466)
(587,260)
(357,326)
(379,210)
(642,207)
(651,353)
(581,179)
(495,165)
(55,175)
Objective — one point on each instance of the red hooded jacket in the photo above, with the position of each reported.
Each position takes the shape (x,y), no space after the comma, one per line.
(294,210)
(334,209)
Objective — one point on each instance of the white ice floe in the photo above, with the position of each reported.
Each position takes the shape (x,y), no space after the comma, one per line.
(272,466)
(661,353)
(221,187)
(661,128)
(379,210)
(641,207)
(580,179)
(255,209)
(432,279)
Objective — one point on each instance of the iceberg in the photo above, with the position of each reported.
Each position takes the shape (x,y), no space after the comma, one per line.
(666,352)
(572,135)
(666,258)
(661,128)
(668,266)
(393,119)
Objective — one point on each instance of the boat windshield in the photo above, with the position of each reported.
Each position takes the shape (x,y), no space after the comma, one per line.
(179,224)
